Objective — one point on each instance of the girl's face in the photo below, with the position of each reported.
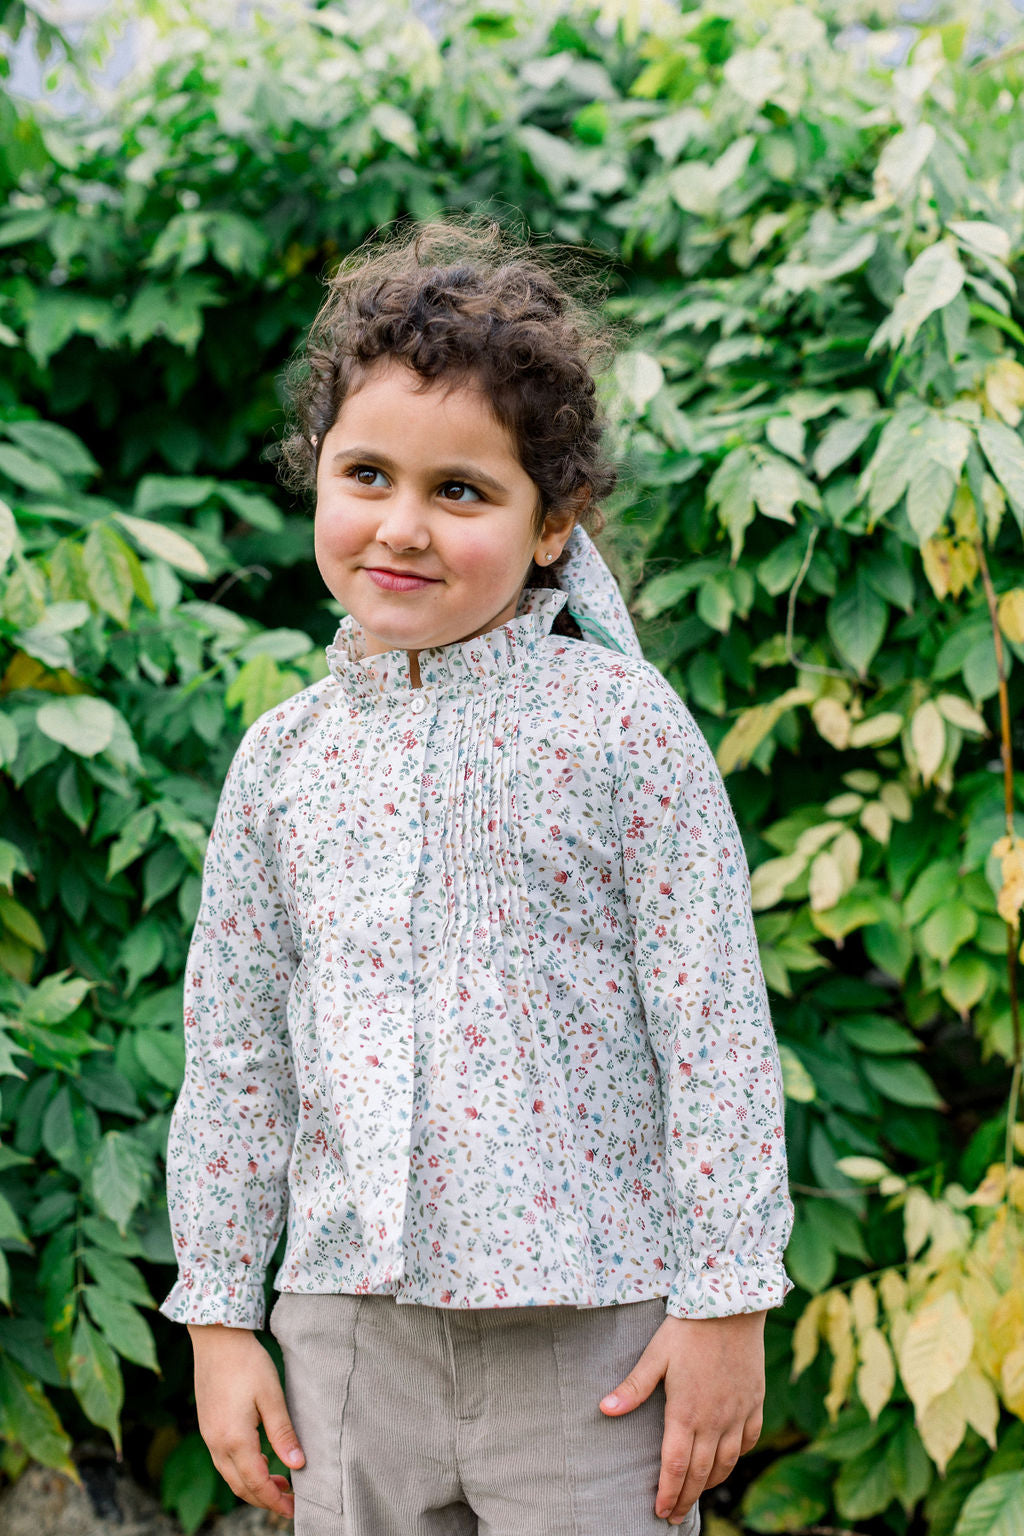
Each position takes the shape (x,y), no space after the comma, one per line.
(426,484)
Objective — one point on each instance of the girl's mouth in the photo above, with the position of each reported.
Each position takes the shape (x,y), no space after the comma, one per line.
(392,582)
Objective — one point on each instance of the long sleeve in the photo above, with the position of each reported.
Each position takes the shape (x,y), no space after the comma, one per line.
(699,976)
(233,1124)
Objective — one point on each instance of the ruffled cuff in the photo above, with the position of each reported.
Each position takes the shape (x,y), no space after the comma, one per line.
(206,1296)
(726,1290)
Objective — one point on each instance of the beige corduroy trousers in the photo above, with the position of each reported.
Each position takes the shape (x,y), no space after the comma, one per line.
(436,1421)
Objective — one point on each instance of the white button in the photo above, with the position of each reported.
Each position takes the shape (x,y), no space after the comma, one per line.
(418,704)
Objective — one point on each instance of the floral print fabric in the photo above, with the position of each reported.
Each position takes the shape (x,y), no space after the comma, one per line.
(473,1001)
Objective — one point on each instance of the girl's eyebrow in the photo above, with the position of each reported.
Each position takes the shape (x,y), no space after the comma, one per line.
(444,472)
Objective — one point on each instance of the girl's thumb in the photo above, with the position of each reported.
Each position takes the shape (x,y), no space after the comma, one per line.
(636,1388)
(283,1437)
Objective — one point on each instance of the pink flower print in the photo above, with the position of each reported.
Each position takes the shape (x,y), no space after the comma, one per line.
(561,875)
(471,1112)
(625,722)
(373,1061)
(555,831)
(446,1297)
(586,1029)
(589,1154)
(665,888)
(561,754)
(665,802)
(686,1069)
(698,1210)
(705,1168)
(538,1105)
(659,1263)
(390,808)
(254,1167)
(661,930)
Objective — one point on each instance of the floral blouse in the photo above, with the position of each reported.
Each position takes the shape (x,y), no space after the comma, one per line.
(473,1001)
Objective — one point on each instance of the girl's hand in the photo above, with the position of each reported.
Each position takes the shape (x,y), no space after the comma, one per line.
(714,1392)
(237,1387)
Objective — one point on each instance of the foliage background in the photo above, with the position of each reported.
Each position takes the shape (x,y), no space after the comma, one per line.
(814,219)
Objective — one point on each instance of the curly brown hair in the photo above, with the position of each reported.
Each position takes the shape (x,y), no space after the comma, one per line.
(461,299)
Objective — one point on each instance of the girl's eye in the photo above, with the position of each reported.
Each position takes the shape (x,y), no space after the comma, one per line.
(365,474)
(458,490)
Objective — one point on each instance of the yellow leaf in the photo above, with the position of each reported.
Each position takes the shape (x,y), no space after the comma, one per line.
(928,739)
(958,712)
(845,804)
(876,1375)
(896,801)
(942,1426)
(935,1349)
(1004,389)
(770,879)
(806,1335)
(826,883)
(876,821)
(917,1219)
(950,1232)
(832,721)
(814,838)
(893,1290)
(965,513)
(846,852)
(839,1334)
(993,499)
(1011,1380)
(981,1405)
(864,1302)
(743,738)
(1010,613)
(935,556)
(876,730)
(1010,853)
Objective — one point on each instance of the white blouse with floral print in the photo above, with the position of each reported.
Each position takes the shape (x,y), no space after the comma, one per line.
(473,1000)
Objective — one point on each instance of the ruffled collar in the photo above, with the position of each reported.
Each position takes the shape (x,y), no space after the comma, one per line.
(463,665)
(587,587)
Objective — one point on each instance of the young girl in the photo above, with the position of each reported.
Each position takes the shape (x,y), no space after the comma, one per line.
(473,999)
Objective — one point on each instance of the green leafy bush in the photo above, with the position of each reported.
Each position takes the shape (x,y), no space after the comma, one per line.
(816,233)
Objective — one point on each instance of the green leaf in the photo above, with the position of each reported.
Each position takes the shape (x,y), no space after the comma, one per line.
(731,491)
(79,722)
(166,544)
(259,686)
(878,1035)
(71,1131)
(28,471)
(840,443)
(864,1487)
(108,568)
(948,927)
(122,1326)
(1005,453)
(162,1055)
(119,1177)
(141,952)
(189,1482)
(902,1082)
(856,621)
(994,1508)
(53,444)
(794,1492)
(932,281)
(117,1276)
(96,1379)
(28,1418)
(640,377)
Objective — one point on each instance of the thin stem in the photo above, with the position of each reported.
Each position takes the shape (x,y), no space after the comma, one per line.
(804,666)
(1012,930)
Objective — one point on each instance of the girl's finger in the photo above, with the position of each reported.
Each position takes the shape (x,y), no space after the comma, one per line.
(637,1386)
(726,1457)
(751,1432)
(675,1462)
(258,1486)
(280,1432)
(702,1458)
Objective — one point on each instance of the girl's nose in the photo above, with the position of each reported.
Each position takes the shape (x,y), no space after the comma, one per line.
(403,523)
